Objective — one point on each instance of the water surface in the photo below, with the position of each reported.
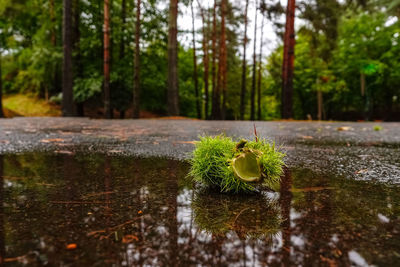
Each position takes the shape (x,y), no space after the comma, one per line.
(125,211)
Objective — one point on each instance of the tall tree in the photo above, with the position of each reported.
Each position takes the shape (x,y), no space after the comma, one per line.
(205,59)
(195,77)
(136,78)
(288,62)
(223,59)
(67,80)
(106,34)
(215,105)
(173,91)
(259,70)
(244,65)
(253,81)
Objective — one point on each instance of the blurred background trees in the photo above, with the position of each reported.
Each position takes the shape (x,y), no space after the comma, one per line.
(347,58)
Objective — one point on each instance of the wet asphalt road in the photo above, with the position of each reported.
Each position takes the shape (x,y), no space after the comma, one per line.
(357,150)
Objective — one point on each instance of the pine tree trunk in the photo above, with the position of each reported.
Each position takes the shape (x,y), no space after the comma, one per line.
(218,89)
(215,105)
(67,79)
(195,76)
(223,58)
(106,29)
(244,66)
(136,77)
(288,62)
(259,71)
(173,91)
(205,62)
(320,104)
(253,82)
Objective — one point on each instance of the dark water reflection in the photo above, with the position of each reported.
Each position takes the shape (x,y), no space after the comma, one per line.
(137,212)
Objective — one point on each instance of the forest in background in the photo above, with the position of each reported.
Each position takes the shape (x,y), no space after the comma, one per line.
(346,67)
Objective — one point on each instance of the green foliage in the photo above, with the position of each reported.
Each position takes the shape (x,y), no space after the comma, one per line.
(338,42)
(218,214)
(85,88)
(213,158)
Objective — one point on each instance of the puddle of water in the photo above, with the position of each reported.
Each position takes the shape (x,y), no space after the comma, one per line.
(126,211)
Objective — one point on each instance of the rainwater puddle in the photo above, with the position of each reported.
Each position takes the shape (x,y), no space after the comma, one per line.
(95,210)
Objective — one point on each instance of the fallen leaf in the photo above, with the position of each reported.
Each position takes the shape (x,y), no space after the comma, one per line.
(71,246)
(344,128)
(362,171)
(114,151)
(66,152)
(140,212)
(52,140)
(129,239)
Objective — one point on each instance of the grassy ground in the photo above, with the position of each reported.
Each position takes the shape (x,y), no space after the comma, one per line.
(28,106)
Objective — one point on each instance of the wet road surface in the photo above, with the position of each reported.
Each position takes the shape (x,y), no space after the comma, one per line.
(356,150)
(80,192)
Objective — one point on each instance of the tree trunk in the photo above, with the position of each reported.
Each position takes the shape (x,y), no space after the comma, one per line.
(223,58)
(285,201)
(195,76)
(288,62)
(253,82)
(173,91)
(244,66)
(122,41)
(320,104)
(136,77)
(205,62)
(67,79)
(106,52)
(214,106)
(259,71)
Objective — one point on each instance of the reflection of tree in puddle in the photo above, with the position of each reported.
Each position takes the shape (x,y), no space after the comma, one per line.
(249,216)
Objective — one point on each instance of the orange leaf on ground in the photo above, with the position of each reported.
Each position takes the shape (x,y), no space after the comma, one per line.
(344,128)
(129,239)
(362,171)
(52,140)
(71,246)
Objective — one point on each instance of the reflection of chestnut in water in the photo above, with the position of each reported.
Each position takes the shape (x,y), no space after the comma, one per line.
(249,216)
